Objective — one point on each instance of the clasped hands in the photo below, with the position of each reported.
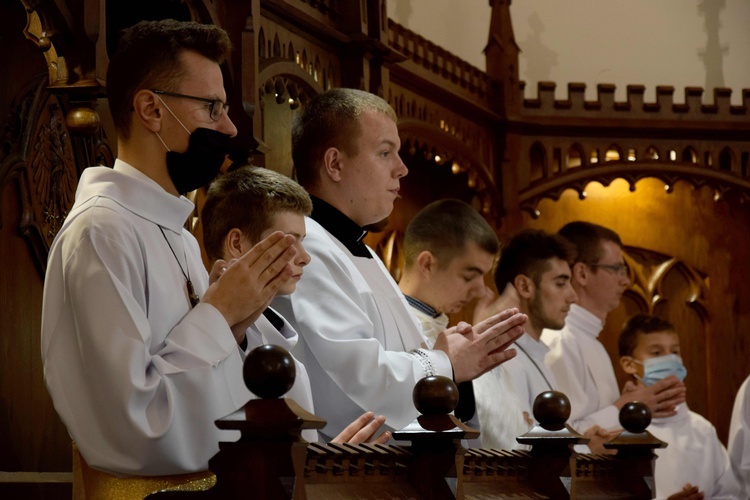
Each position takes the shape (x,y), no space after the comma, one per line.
(661,398)
(474,350)
(243,288)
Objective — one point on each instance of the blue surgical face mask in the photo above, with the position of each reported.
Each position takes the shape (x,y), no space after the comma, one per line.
(655,369)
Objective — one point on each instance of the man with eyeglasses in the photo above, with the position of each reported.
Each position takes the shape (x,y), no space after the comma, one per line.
(141,353)
(579,361)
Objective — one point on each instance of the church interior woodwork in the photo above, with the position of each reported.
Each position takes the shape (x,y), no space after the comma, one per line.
(672,176)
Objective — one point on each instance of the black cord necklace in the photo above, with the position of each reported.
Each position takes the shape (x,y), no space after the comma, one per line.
(536,366)
(194,299)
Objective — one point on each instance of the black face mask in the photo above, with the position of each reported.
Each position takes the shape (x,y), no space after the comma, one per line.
(201,163)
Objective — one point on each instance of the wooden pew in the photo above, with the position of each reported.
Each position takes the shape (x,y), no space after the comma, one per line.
(271,461)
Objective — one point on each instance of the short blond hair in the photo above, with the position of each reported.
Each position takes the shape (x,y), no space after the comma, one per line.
(330,120)
(444,228)
(248,199)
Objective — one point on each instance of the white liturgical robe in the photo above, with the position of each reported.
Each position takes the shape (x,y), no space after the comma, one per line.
(583,370)
(739,437)
(264,332)
(528,374)
(137,376)
(694,455)
(356,333)
(500,410)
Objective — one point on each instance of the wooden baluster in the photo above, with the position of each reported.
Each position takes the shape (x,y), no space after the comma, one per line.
(635,451)
(268,460)
(629,473)
(551,445)
(435,437)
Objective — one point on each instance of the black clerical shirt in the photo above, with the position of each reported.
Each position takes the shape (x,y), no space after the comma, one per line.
(348,232)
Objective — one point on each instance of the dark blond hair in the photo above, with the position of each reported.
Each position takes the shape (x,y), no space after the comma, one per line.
(444,228)
(588,238)
(248,199)
(330,120)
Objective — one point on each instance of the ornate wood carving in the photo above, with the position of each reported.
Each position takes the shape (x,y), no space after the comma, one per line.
(282,51)
(66,35)
(651,288)
(449,138)
(553,185)
(39,152)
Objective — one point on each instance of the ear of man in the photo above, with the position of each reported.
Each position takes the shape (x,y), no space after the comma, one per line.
(627,363)
(147,110)
(426,263)
(233,244)
(333,160)
(580,273)
(525,286)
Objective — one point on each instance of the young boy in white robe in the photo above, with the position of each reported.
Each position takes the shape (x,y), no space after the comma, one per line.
(694,464)
(241,209)
(739,436)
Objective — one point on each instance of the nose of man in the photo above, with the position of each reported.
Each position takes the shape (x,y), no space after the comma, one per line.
(226,126)
(477,290)
(625,281)
(303,258)
(572,295)
(402,169)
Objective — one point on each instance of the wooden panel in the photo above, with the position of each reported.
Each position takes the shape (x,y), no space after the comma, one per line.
(32,436)
(706,235)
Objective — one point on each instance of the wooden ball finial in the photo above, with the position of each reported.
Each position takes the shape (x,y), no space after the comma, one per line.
(435,395)
(83,121)
(269,371)
(635,417)
(552,409)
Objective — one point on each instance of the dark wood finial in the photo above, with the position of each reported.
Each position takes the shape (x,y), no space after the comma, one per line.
(435,395)
(269,371)
(552,410)
(635,417)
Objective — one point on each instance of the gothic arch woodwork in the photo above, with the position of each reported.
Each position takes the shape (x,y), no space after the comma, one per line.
(446,150)
(282,51)
(669,173)
(280,98)
(686,254)
(670,288)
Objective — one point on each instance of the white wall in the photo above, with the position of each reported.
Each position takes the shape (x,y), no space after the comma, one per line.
(648,42)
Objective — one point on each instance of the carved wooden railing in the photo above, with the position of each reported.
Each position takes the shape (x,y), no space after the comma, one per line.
(271,460)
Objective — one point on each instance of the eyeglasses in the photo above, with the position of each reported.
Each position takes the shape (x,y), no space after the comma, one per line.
(619,269)
(215,106)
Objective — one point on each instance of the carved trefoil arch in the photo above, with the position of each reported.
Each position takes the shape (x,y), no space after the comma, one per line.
(44,158)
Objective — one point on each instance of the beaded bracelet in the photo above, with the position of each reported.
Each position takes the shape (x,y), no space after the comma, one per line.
(425,361)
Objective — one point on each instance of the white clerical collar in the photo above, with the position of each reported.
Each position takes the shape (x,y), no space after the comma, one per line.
(442,320)
(536,350)
(134,190)
(582,320)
